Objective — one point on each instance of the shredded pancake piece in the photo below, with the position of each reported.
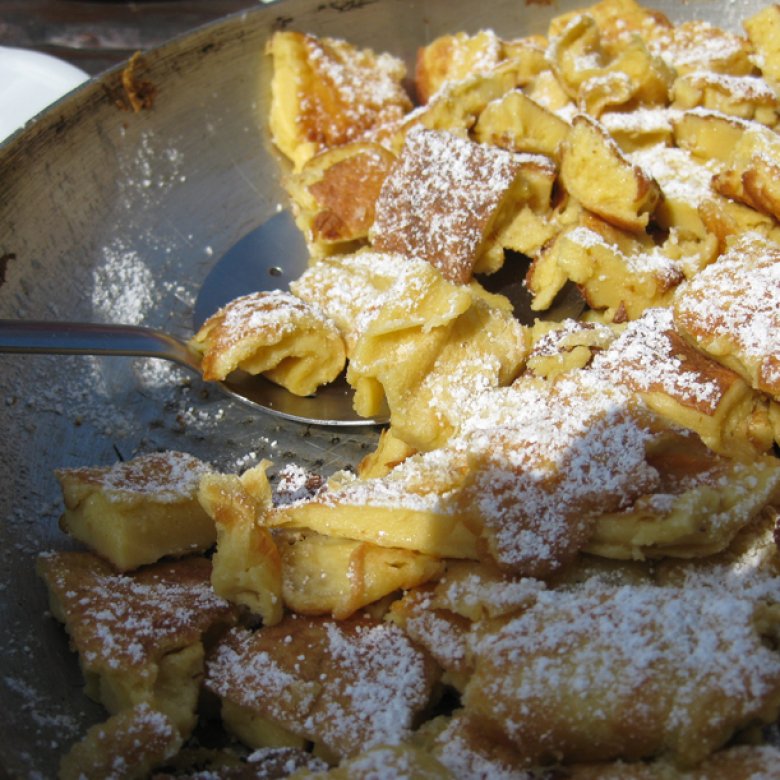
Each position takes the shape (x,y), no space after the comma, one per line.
(346,685)
(442,200)
(731,310)
(272,333)
(630,672)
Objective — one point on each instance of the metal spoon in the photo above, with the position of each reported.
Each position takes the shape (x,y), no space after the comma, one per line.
(269,257)
(331,406)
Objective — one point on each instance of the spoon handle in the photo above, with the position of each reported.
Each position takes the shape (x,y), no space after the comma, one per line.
(83,338)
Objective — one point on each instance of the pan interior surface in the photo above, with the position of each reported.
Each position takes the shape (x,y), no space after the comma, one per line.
(113,215)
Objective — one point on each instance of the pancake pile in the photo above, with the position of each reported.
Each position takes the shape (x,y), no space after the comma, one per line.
(561,559)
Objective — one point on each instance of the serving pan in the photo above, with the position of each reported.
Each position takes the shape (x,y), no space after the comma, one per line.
(111,215)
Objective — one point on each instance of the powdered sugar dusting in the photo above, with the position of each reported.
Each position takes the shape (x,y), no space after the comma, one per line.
(382,679)
(736,301)
(123,286)
(239,671)
(351,289)
(542,459)
(274,312)
(475,594)
(641,120)
(128,621)
(472,756)
(566,451)
(663,652)
(653,262)
(436,630)
(678,174)
(438,201)
(697,45)
(748,88)
(650,357)
(348,685)
(571,333)
(472,60)
(166,477)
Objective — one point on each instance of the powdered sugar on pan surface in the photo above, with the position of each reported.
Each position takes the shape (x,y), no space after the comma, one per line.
(124,286)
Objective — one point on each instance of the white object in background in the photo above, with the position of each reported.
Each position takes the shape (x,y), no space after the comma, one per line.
(29,82)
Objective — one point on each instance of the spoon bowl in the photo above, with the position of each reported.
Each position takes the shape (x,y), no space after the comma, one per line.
(269,258)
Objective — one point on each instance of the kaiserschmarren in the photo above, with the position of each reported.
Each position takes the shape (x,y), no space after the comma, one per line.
(562,558)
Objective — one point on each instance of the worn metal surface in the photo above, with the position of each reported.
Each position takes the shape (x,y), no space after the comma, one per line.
(110,215)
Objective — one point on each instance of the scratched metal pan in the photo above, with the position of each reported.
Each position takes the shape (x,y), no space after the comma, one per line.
(114,216)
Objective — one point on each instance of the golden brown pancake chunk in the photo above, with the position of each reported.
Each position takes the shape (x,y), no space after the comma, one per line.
(139,636)
(512,487)
(518,123)
(544,461)
(429,374)
(751,170)
(128,745)
(595,171)
(629,672)
(246,566)
(347,686)
(411,508)
(698,45)
(569,345)
(703,500)
(389,452)
(324,575)
(479,592)
(763,30)
(443,199)
(681,383)
(748,97)
(643,128)
(455,107)
(471,750)
(440,616)
(617,273)
(686,183)
(731,310)
(535,221)
(743,762)
(441,632)
(615,19)
(275,334)
(335,192)
(352,288)
(327,92)
(453,58)
(749,566)
(708,135)
(607,74)
(137,511)
(402,341)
